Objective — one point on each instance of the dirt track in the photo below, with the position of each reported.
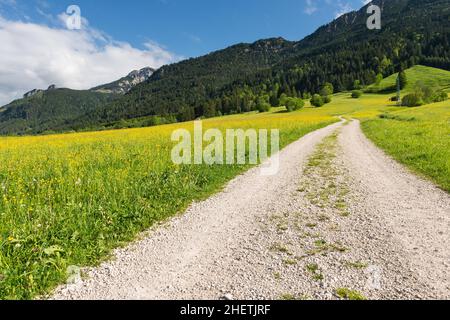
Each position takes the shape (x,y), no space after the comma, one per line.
(339,214)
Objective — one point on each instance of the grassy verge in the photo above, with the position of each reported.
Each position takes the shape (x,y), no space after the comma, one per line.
(418,138)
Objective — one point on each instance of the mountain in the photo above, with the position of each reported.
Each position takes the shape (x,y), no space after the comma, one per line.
(125,84)
(238,78)
(233,80)
(56,109)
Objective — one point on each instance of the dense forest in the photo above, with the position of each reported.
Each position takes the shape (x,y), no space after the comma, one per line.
(244,76)
(50,110)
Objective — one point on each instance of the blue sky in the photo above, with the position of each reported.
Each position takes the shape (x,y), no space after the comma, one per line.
(37,49)
(190,27)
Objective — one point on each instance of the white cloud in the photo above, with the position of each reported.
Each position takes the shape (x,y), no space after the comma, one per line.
(343,8)
(339,6)
(311,7)
(35,56)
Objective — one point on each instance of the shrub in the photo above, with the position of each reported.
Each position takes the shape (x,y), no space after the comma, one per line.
(262,104)
(327,89)
(424,91)
(357,85)
(427,94)
(326,99)
(412,100)
(293,104)
(356,94)
(317,101)
(440,96)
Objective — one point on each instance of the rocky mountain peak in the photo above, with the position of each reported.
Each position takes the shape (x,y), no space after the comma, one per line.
(144,72)
(34,92)
(125,84)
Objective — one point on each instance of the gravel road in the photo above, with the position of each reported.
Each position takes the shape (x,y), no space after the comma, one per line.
(339,220)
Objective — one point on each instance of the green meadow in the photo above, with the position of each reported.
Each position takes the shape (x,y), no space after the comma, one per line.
(417,137)
(433,77)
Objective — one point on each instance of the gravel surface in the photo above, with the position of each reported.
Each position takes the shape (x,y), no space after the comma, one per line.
(339,220)
(412,211)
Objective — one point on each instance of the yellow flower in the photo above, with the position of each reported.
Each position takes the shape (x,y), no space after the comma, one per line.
(10,238)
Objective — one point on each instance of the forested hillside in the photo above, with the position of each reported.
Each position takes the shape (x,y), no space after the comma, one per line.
(50,110)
